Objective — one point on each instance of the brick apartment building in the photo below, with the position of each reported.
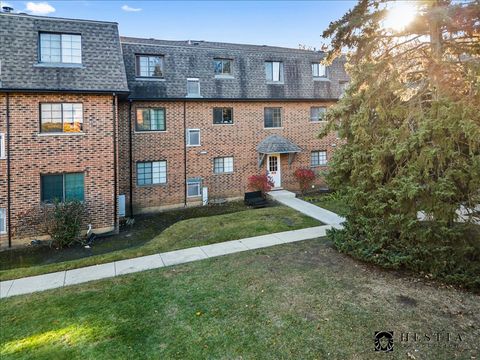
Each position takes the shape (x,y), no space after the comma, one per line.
(155,124)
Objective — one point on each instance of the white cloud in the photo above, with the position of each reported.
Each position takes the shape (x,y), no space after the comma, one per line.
(40,8)
(130,9)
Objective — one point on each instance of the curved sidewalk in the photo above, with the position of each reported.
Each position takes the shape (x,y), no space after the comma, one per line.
(102,271)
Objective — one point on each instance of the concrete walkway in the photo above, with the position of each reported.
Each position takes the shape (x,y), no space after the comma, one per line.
(288,198)
(77,276)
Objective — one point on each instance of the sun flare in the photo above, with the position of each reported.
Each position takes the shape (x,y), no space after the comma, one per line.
(400,14)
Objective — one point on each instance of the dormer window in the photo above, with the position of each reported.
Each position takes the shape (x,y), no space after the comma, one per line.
(60,48)
(274,71)
(149,66)
(193,87)
(223,67)
(319,70)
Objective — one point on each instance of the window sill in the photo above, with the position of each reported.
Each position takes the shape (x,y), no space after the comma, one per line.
(62,134)
(275,83)
(152,185)
(149,131)
(194,96)
(272,128)
(193,196)
(224,173)
(319,121)
(3,158)
(321,78)
(223,123)
(139,78)
(193,146)
(220,77)
(59,65)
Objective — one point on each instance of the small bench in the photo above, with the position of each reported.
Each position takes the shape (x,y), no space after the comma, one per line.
(255,199)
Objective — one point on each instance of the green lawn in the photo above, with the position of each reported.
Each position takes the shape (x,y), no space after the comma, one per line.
(327,201)
(183,234)
(294,301)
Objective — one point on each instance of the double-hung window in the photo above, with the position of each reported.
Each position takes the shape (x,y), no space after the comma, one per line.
(151,173)
(2,146)
(223,116)
(193,137)
(223,165)
(3,221)
(318,158)
(61,117)
(317,113)
(194,187)
(273,117)
(60,48)
(274,71)
(62,187)
(319,70)
(149,66)
(222,67)
(150,119)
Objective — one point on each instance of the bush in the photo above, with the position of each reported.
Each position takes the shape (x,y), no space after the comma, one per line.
(305,178)
(263,183)
(62,221)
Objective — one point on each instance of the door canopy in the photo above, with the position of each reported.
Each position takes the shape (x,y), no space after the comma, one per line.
(276,144)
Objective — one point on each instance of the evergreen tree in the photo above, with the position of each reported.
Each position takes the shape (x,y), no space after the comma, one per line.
(410,119)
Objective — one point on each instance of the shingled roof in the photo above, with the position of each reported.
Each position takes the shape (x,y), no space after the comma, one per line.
(194,59)
(102,68)
(276,144)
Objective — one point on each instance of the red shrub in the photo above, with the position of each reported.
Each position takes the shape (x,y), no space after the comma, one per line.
(261,183)
(305,178)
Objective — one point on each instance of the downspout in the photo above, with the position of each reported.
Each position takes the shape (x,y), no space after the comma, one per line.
(185,152)
(130,151)
(115,177)
(9,198)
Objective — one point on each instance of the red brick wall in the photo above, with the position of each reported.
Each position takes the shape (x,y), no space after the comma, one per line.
(33,154)
(238,140)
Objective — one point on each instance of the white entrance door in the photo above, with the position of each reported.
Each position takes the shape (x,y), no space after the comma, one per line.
(273,169)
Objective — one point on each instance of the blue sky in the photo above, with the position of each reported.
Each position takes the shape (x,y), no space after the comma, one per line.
(281,23)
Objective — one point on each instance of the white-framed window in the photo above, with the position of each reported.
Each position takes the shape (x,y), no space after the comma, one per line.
(223,67)
(319,70)
(152,119)
(193,87)
(149,66)
(151,173)
(194,187)
(61,117)
(317,113)
(3,221)
(274,71)
(318,158)
(3,155)
(60,48)
(222,165)
(272,118)
(193,137)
